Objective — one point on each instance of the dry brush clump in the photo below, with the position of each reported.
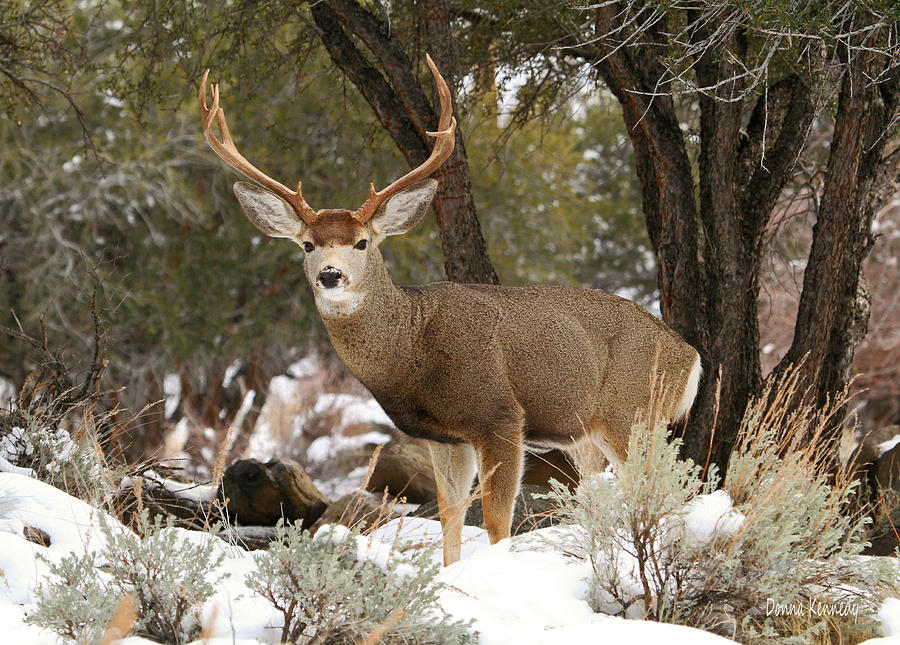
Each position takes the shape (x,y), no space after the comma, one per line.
(60,428)
(63,450)
(776,562)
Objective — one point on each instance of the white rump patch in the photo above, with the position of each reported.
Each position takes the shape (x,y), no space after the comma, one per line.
(690,391)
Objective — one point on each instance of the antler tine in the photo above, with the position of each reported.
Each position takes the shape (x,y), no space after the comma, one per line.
(227,150)
(443,146)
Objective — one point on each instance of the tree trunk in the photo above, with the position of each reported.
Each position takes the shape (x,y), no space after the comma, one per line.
(833,313)
(708,252)
(465,253)
(406,114)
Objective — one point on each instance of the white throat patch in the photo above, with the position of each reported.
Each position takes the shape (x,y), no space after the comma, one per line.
(337,301)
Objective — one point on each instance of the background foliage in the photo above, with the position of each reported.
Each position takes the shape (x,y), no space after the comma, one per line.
(106,183)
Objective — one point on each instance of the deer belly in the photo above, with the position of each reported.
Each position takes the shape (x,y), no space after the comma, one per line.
(415,420)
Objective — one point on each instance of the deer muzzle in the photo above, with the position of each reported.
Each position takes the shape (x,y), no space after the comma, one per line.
(329,278)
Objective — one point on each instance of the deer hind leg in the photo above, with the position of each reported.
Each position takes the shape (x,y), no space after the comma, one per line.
(593,453)
(500,473)
(454,470)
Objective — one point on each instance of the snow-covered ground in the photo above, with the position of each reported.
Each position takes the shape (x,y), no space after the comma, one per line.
(525,590)
(521,596)
(520,591)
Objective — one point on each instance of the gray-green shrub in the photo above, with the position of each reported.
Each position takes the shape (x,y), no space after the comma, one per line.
(793,543)
(170,579)
(329,591)
(77,602)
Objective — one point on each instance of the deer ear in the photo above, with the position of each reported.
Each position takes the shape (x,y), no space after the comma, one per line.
(404,210)
(267,211)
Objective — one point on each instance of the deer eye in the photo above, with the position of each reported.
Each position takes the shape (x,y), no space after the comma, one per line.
(308,247)
(361,245)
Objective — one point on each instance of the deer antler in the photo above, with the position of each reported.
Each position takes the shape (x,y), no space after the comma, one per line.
(443,146)
(229,153)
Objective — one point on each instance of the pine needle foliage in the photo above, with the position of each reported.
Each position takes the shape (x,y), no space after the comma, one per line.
(331,589)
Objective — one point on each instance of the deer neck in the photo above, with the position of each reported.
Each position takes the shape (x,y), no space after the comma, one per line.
(376,337)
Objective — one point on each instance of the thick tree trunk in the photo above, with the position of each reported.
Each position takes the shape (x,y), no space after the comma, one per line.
(406,114)
(465,253)
(834,306)
(730,268)
(708,253)
(709,303)
(664,172)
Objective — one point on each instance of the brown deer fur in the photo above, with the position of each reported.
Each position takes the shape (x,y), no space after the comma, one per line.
(480,371)
(488,368)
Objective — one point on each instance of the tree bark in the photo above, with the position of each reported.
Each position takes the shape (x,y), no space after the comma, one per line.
(465,253)
(833,312)
(403,109)
(708,248)
(663,170)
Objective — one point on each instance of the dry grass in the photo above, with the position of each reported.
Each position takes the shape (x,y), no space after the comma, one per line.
(122,621)
(216,507)
(71,450)
(786,454)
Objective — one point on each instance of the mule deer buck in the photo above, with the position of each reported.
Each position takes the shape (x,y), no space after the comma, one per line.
(481,371)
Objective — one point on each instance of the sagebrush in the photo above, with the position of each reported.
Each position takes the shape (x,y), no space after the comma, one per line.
(336,587)
(787,541)
(170,578)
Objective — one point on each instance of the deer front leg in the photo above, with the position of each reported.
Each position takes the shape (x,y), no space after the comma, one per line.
(500,473)
(454,470)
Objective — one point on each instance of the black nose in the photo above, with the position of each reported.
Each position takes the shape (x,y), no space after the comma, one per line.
(329,277)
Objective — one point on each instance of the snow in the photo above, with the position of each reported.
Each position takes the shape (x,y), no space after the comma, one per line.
(524,590)
(177,439)
(7,393)
(884,446)
(14,444)
(709,515)
(524,613)
(199,493)
(326,447)
(348,410)
(337,487)
(890,617)
(55,446)
(517,595)
(306,366)
(265,441)
(20,565)
(424,533)
(282,388)
(244,409)
(171,393)
(354,410)
(72,525)
(889,614)
(231,371)
(12,625)
(7,467)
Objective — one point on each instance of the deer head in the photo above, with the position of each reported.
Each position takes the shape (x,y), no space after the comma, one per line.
(338,242)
